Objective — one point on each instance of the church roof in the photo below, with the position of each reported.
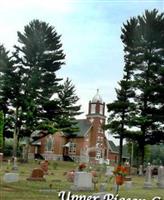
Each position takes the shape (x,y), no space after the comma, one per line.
(84,127)
(97,98)
(113,147)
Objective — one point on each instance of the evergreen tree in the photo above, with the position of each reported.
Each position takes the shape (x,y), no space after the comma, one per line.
(7,83)
(68,100)
(142,39)
(37,59)
(119,111)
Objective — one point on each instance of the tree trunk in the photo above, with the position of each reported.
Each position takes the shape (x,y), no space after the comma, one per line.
(16,132)
(142,155)
(15,142)
(3,142)
(4,133)
(120,150)
(26,150)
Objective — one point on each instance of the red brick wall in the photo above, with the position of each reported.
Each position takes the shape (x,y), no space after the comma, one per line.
(113,156)
(58,144)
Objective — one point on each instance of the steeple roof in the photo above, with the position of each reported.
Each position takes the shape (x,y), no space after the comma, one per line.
(97,98)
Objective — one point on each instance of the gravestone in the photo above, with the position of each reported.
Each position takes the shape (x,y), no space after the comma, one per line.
(1,157)
(148,182)
(44,166)
(36,175)
(70,176)
(140,173)
(109,171)
(160,181)
(107,161)
(83,181)
(15,166)
(11,177)
(128,182)
(133,171)
(103,187)
(101,161)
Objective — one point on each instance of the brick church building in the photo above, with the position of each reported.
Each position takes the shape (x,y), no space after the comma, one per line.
(89,144)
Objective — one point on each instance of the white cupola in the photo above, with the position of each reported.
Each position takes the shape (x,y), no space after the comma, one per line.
(96,106)
(97,98)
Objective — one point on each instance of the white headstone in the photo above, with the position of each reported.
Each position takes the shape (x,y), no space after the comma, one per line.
(83,181)
(107,161)
(160,181)
(101,161)
(11,177)
(109,171)
(15,167)
(128,185)
(148,182)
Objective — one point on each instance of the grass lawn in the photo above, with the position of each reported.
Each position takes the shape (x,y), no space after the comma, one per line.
(32,190)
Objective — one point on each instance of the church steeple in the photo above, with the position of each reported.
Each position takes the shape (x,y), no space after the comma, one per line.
(96,106)
(96,116)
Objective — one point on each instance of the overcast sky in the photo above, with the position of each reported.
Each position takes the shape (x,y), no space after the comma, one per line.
(90,33)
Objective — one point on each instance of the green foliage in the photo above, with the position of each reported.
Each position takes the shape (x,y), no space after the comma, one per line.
(8,149)
(137,114)
(156,155)
(48,126)
(68,103)
(143,46)
(120,109)
(38,58)
(7,80)
(28,80)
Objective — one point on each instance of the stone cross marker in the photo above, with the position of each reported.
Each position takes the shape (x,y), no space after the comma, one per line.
(148,182)
(15,166)
(160,181)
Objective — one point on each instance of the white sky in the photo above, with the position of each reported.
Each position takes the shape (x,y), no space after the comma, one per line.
(90,32)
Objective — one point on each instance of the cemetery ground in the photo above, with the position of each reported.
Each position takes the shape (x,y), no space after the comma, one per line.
(56,181)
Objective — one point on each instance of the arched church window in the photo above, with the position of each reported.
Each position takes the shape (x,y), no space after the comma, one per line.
(49,143)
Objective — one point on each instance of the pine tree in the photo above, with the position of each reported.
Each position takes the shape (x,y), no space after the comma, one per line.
(142,37)
(120,109)
(37,59)
(7,83)
(70,109)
